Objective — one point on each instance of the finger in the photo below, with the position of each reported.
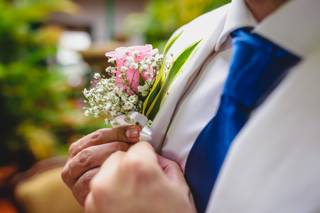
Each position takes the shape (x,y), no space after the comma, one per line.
(108,169)
(140,164)
(81,188)
(172,169)
(174,173)
(143,151)
(89,158)
(105,183)
(129,134)
(90,205)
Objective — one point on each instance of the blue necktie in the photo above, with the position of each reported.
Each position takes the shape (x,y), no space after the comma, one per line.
(257,66)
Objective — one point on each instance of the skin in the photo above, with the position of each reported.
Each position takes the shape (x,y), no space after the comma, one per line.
(262,8)
(88,154)
(132,179)
(128,182)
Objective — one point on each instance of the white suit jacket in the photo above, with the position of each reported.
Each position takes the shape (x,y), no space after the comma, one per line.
(274,163)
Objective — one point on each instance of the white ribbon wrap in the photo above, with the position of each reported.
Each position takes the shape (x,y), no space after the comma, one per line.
(135,118)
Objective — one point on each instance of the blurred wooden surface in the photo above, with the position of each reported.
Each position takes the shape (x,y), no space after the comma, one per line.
(41,190)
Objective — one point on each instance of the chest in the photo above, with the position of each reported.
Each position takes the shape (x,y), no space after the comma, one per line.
(196,108)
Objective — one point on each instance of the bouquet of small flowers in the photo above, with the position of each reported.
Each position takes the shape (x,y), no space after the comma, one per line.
(119,93)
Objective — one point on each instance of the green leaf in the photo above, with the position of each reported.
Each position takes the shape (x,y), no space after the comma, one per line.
(152,95)
(171,42)
(141,81)
(175,70)
(160,78)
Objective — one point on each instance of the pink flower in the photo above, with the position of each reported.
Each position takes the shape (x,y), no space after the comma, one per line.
(122,52)
(128,60)
(131,86)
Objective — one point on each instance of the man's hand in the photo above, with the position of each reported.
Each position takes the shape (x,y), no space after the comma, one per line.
(88,154)
(139,181)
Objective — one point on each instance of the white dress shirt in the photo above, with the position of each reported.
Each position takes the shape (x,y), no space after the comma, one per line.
(273,165)
(199,104)
(201,100)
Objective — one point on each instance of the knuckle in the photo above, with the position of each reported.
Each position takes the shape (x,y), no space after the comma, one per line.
(175,165)
(97,136)
(65,174)
(85,179)
(80,192)
(84,157)
(72,148)
(76,146)
(82,187)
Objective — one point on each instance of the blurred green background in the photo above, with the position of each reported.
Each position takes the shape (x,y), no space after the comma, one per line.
(48,52)
(162,17)
(39,111)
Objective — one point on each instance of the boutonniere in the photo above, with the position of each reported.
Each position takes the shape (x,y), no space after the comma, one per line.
(132,89)
(170,69)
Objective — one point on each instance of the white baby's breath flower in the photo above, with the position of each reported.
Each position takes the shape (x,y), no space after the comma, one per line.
(133,99)
(118,90)
(85,93)
(116,100)
(124,97)
(97,76)
(144,90)
(107,106)
(110,86)
(100,90)
(108,70)
(115,109)
(117,94)
(145,66)
(149,82)
(130,59)
(135,66)
(135,53)
(128,106)
(123,68)
(111,60)
(112,80)
(87,113)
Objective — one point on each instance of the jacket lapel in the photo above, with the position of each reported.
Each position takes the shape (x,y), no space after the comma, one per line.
(198,30)
(273,165)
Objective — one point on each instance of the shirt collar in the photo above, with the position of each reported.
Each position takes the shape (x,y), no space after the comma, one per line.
(238,15)
(295,26)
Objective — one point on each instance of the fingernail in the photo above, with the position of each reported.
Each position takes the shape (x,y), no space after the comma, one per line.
(132,132)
